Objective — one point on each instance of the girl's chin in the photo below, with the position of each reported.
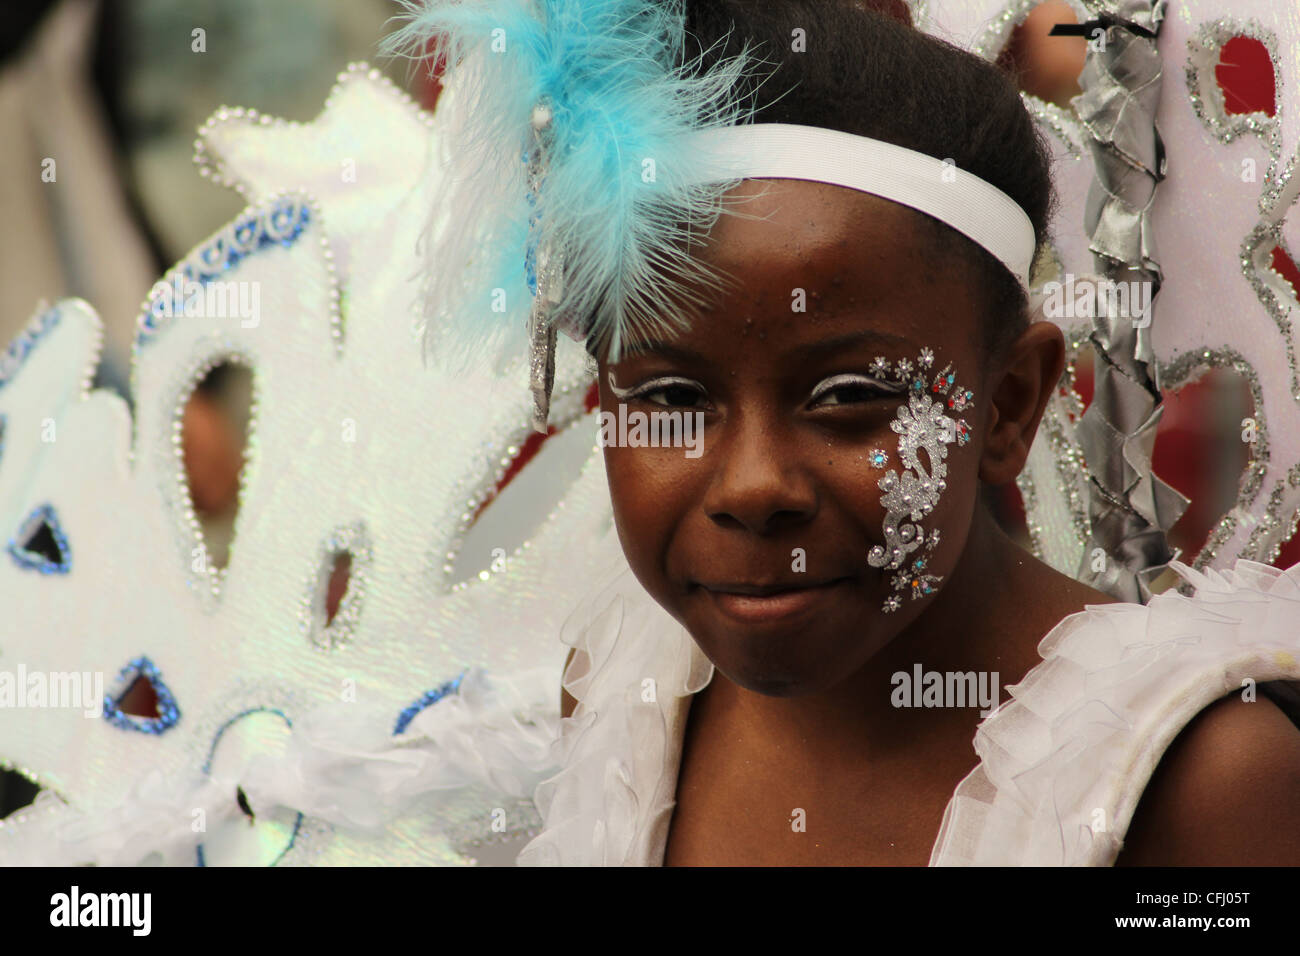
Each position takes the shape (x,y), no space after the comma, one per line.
(760,681)
(790,678)
(788,664)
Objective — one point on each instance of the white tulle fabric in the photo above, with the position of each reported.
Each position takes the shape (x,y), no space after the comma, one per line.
(633,673)
(1061,766)
(1064,763)
(342,766)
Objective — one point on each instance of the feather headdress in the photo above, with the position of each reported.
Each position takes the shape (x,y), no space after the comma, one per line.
(574,203)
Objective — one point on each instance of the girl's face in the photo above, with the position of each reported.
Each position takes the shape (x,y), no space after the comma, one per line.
(758,541)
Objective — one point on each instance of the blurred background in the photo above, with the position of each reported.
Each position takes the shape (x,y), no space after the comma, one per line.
(113,91)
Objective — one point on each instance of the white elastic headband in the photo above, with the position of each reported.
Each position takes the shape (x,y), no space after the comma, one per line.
(965,202)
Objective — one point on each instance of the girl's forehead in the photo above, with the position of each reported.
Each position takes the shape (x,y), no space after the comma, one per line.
(783,230)
(801,263)
(791,332)
(787,301)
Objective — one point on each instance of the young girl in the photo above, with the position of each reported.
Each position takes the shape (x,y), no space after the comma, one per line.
(783,664)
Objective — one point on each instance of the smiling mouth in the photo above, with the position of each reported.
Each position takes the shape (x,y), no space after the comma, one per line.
(768,590)
(758,603)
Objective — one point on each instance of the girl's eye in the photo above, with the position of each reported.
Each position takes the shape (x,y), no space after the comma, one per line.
(852,390)
(674,395)
(669,392)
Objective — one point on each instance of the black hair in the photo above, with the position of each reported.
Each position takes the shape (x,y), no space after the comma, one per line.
(865,69)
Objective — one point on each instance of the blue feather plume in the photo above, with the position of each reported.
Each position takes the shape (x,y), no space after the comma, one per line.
(619,195)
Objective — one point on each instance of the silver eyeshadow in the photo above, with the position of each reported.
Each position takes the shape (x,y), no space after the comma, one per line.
(824,387)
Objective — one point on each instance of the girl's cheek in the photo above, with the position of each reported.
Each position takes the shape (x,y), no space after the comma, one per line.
(648,496)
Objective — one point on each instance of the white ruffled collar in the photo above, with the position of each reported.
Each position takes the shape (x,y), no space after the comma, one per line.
(1061,765)
(1064,763)
(633,674)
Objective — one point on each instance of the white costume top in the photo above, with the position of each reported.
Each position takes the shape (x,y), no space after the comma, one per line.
(1062,765)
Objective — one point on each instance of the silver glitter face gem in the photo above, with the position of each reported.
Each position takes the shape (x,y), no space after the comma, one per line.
(914,492)
(943,381)
(878,457)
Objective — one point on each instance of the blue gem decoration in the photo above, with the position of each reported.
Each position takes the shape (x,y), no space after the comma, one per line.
(207,770)
(427,699)
(44,515)
(168,712)
(281,224)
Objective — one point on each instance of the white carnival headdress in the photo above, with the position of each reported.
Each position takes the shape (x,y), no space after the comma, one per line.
(356,447)
(249,671)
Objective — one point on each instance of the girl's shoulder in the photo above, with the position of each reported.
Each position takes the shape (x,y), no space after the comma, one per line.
(1065,763)
(1226,793)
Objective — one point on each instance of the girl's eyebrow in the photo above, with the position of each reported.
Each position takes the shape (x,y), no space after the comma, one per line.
(808,351)
(664,350)
(841,343)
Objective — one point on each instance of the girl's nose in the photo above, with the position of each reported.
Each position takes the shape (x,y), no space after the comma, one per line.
(758,481)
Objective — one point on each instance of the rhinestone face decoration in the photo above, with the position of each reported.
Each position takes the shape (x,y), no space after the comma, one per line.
(913,493)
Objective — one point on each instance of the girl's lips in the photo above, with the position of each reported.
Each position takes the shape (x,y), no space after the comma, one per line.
(768,604)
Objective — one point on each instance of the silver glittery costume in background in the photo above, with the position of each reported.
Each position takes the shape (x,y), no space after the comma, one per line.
(1224,205)
(1129,508)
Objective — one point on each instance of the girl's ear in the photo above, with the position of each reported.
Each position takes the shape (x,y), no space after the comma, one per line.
(1023,383)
